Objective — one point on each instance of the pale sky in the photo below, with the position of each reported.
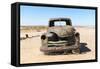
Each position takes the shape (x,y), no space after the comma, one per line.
(33,15)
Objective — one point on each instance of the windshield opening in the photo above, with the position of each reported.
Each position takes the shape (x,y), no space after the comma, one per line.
(60,23)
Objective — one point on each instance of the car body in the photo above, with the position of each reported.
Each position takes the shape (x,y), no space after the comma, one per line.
(60,39)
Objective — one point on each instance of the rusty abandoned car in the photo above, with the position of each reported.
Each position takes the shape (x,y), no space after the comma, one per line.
(60,39)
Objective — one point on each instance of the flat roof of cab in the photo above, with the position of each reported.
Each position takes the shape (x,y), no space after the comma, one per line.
(59,19)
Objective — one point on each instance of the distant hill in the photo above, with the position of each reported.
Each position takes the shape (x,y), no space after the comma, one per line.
(33,27)
(45,27)
(84,26)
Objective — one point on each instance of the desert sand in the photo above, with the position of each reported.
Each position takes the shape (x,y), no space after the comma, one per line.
(30,47)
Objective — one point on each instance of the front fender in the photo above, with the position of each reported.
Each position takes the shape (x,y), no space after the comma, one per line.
(44,40)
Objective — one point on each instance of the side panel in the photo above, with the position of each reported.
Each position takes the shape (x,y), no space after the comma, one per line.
(14,35)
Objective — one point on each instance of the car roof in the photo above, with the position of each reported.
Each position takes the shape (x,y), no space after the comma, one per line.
(59,19)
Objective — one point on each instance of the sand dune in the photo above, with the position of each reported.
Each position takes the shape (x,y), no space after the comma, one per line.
(30,48)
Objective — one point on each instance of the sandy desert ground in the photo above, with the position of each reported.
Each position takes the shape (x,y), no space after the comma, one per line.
(30,47)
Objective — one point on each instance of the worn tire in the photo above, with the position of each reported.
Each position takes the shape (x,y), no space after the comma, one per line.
(46,53)
(76,51)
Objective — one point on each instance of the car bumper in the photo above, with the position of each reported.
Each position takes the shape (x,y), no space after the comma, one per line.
(57,49)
